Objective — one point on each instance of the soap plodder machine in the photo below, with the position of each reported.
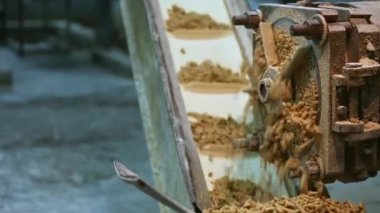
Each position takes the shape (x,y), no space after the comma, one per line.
(336,46)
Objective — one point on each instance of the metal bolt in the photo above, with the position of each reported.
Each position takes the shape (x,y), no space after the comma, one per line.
(311,29)
(342,113)
(249,19)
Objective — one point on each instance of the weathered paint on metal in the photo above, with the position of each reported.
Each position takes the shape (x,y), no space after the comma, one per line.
(156,119)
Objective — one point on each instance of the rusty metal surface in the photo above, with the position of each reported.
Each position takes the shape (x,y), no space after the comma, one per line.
(348,74)
(372,7)
(243,36)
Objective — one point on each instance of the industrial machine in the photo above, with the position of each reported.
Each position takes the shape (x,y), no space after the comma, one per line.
(335,49)
(314,95)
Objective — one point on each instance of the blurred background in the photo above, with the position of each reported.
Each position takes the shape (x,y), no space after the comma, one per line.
(68,108)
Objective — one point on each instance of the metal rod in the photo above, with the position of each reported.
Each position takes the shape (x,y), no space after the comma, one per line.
(131,178)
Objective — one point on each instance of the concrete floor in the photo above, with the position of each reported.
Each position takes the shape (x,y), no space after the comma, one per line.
(63,122)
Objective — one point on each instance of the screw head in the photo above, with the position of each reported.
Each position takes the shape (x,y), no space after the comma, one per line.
(311,29)
(249,19)
(342,113)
